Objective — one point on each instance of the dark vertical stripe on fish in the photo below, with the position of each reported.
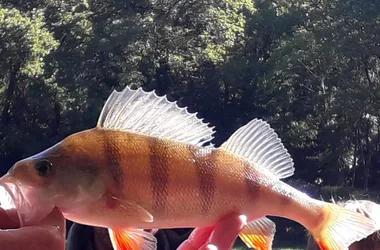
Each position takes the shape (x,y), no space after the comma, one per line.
(113,158)
(251,182)
(159,178)
(206,171)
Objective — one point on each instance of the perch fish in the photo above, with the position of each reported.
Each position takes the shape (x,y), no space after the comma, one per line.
(149,164)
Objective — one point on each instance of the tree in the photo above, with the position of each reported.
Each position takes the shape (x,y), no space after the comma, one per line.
(24,42)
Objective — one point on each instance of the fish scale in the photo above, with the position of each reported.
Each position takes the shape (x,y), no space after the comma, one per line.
(185,195)
(183,190)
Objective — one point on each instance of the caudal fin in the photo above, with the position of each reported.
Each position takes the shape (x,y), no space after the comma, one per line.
(341,227)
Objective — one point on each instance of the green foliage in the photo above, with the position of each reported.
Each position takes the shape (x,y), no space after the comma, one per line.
(311,69)
(24,44)
(329,67)
(24,40)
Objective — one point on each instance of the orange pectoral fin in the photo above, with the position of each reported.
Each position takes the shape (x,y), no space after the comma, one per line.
(130,209)
(259,234)
(132,239)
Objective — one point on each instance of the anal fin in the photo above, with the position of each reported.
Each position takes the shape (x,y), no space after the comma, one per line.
(132,239)
(259,234)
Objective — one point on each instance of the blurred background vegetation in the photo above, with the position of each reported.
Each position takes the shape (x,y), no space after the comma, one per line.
(311,68)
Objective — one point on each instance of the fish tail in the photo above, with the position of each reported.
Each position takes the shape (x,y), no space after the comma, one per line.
(335,228)
(339,228)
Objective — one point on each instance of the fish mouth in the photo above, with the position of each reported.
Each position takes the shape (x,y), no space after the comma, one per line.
(25,200)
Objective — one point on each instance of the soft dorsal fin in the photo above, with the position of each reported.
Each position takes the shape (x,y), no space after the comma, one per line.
(258,143)
(146,113)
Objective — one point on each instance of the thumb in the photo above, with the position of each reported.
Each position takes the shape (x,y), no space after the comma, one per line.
(48,234)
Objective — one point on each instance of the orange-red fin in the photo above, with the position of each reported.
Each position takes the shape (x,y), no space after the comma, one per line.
(341,227)
(259,234)
(132,239)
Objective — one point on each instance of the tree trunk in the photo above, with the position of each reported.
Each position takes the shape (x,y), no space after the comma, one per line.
(356,142)
(9,93)
(57,118)
(367,159)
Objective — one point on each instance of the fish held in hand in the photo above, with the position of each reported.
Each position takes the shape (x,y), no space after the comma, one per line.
(148,164)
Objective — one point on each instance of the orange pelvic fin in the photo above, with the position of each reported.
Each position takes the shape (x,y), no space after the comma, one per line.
(340,228)
(259,234)
(132,239)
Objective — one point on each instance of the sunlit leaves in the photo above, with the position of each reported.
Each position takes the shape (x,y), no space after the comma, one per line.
(24,40)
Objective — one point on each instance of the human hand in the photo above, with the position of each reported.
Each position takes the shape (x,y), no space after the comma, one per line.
(222,236)
(46,235)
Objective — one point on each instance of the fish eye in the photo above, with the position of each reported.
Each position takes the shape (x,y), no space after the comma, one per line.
(43,167)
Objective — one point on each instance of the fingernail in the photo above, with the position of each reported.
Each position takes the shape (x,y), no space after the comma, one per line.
(211,247)
(243,218)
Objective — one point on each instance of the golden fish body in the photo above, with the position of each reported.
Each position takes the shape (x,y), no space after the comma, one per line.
(146,165)
(179,184)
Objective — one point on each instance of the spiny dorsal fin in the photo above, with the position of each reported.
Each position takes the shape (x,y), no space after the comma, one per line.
(258,143)
(146,113)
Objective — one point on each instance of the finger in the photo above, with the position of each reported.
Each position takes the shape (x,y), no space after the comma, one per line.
(54,222)
(225,233)
(8,219)
(49,234)
(197,238)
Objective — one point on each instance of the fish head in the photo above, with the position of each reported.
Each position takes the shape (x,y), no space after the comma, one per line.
(62,176)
